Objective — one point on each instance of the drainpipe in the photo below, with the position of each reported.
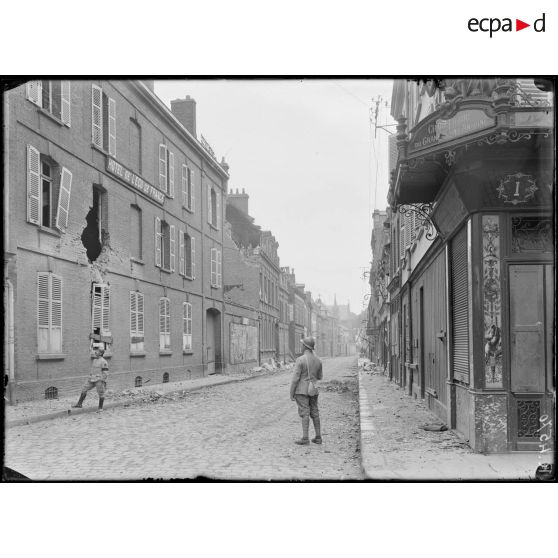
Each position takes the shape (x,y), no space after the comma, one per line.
(9,362)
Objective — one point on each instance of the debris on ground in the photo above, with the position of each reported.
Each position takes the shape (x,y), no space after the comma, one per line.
(434,427)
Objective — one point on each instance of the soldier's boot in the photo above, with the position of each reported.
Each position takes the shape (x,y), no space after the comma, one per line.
(78,405)
(317,428)
(305,425)
(101,401)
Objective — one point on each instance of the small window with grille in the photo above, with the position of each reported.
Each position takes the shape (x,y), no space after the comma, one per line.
(138,382)
(166,378)
(51,393)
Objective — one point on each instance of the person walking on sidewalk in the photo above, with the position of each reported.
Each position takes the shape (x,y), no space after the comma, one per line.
(97,379)
(308,367)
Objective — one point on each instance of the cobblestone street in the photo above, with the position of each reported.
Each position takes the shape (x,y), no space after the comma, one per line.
(239,431)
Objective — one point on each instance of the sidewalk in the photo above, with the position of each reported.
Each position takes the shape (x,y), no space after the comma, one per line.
(29,412)
(393,446)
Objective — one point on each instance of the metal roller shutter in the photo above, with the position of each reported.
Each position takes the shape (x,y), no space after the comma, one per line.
(460,307)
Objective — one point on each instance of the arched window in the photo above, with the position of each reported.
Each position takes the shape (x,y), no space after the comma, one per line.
(166,378)
(51,393)
(138,381)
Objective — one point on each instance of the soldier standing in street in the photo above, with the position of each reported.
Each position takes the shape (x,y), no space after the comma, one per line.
(97,379)
(308,369)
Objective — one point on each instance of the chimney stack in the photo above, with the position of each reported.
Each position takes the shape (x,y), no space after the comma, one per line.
(239,200)
(185,112)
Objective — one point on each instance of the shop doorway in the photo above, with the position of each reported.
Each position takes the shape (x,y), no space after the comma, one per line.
(531,288)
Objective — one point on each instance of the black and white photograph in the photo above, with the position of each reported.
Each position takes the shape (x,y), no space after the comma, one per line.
(279,279)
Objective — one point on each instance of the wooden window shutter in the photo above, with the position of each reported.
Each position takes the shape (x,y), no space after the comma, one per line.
(140,313)
(181,252)
(167,315)
(56,301)
(35,92)
(158,239)
(460,306)
(97,307)
(105,329)
(209,220)
(162,167)
(191,189)
(219,269)
(97,116)
(33,184)
(218,210)
(193,255)
(112,127)
(43,300)
(65,110)
(213,267)
(64,200)
(185,186)
(133,314)
(172,248)
(171,174)
(162,315)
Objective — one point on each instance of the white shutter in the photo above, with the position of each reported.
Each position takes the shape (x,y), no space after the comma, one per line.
(166,310)
(193,255)
(171,174)
(185,186)
(96,313)
(219,269)
(209,203)
(218,211)
(133,314)
(158,238)
(112,127)
(172,248)
(33,184)
(43,300)
(213,267)
(56,301)
(181,252)
(162,167)
(140,313)
(162,317)
(192,189)
(64,200)
(105,329)
(65,110)
(97,116)
(35,92)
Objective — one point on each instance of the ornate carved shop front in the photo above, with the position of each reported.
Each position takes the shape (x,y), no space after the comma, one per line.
(483,165)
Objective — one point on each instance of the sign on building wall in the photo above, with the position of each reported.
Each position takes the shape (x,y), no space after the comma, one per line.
(243,346)
(442,130)
(121,172)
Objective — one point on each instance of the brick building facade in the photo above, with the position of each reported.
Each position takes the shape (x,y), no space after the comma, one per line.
(113,236)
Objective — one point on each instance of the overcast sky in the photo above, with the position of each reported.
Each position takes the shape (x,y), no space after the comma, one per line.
(305,153)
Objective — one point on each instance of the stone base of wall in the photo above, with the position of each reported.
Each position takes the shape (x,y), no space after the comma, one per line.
(117,381)
(240,368)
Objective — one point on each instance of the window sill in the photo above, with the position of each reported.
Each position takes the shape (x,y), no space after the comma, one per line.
(135,260)
(105,355)
(165,270)
(51,356)
(188,209)
(52,117)
(189,352)
(102,150)
(216,287)
(212,226)
(49,231)
(165,352)
(189,277)
(137,354)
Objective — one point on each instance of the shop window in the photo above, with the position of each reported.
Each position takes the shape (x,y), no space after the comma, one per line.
(103,120)
(48,191)
(532,235)
(164,245)
(136,322)
(49,313)
(53,96)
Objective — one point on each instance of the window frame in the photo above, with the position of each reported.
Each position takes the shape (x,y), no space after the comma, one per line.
(50,301)
(164,325)
(187,345)
(137,333)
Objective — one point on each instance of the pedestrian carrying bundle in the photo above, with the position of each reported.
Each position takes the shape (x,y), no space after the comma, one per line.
(312,389)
